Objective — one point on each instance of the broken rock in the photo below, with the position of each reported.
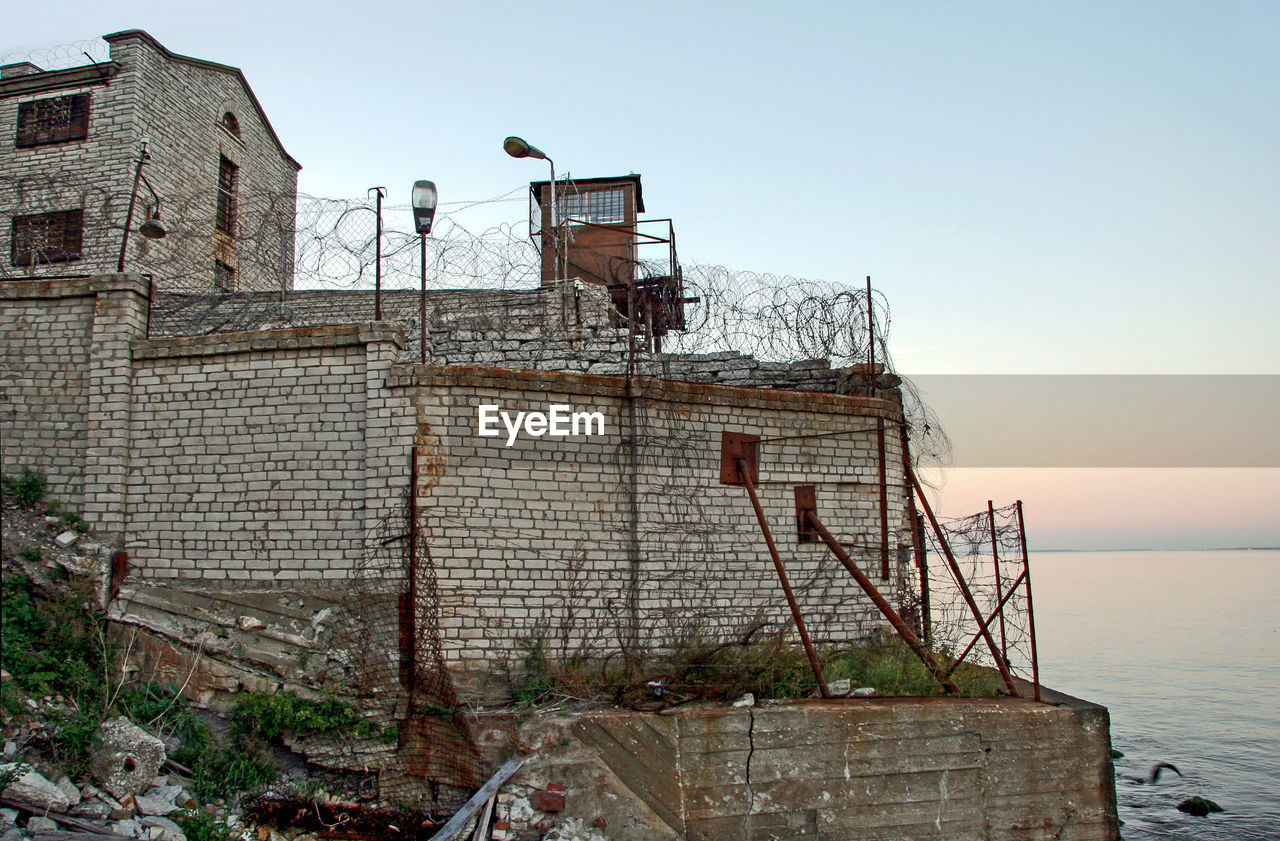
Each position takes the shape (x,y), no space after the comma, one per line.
(36,790)
(128,759)
(251,623)
(41,824)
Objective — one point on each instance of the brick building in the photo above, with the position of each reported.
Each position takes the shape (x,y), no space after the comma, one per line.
(71,141)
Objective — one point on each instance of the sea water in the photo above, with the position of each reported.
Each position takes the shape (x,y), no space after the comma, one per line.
(1184,649)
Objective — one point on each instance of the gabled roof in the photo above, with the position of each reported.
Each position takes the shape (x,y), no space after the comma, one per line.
(207,65)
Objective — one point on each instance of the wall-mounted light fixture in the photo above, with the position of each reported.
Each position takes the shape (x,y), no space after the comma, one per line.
(153,228)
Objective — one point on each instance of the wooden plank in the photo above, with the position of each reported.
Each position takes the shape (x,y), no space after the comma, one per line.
(479,799)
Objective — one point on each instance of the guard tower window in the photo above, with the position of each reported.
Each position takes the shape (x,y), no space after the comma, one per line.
(46,238)
(602,207)
(228,174)
(55,120)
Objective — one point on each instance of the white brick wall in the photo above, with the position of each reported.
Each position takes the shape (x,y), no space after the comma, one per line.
(534,539)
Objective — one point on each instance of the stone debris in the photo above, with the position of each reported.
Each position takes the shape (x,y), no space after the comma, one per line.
(251,623)
(69,789)
(747,700)
(573,829)
(33,788)
(154,805)
(10,751)
(66,539)
(163,829)
(864,692)
(41,824)
(128,759)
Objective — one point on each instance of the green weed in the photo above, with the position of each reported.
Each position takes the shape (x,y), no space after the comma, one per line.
(27,488)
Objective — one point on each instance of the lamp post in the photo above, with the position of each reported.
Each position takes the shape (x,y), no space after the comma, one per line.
(516,147)
(423,199)
(153,228)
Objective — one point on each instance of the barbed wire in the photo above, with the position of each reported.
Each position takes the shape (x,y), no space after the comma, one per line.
(61,56)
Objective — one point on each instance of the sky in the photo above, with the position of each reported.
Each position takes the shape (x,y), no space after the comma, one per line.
(1038,188)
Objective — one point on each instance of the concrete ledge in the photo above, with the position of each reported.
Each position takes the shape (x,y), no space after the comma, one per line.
(650,388)
(79,286)
(298,338)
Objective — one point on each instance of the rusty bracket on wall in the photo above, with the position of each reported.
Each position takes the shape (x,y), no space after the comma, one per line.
(735,447)
(806,504)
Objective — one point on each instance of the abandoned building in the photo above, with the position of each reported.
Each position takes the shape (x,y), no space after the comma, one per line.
(300,494)
(215,174)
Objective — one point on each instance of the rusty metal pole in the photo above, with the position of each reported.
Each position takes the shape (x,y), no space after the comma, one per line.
(377,258)
(410,614)
(995,558)
(871,344)
(809,651)
(885,608)
(917,536)
(884,501)
(1031,613)
(964,588)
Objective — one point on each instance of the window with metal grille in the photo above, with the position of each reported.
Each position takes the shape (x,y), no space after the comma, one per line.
(55,120)
(228,174)
(224,277)
(603,207)
(46,238)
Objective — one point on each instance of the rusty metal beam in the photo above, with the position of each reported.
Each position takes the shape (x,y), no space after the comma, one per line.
(995,560)
(1031,613)
(885,608)
(964,587)
(744,471)
(917,536)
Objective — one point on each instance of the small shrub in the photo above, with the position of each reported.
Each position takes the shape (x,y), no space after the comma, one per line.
(271,716)
(27,488)
(202,826)
(240,768)
(30,554)
(536,683)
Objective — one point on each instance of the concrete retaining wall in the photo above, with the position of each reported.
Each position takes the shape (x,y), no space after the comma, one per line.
(903,769)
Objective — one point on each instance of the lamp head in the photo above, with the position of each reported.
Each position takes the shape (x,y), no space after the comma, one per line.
(153,228)
(423,199)
(516,147)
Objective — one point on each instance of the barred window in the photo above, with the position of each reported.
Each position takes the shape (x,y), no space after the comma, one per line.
(228,174)
(55,120)
(46,238)
(224,277)
(603,207)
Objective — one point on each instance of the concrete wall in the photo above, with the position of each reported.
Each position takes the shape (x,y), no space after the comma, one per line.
(588,543)
(957,769)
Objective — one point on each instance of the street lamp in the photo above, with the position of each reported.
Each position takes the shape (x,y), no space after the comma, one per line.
(153,228)
(517,147)
(423,198)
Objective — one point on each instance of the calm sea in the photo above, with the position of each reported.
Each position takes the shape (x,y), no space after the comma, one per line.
(1184,649)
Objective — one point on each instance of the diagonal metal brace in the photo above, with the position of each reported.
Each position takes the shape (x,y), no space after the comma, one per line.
(885,608)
